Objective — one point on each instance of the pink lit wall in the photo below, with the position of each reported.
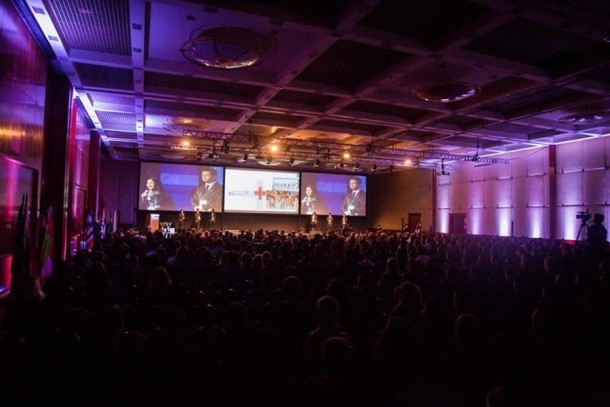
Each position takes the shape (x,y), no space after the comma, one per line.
(517,199)
(23,71)
(22,90)
(583,183)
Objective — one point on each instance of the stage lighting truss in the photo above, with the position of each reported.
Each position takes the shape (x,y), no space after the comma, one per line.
(289,150)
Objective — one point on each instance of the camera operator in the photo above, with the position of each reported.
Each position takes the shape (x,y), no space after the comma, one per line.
(597,236)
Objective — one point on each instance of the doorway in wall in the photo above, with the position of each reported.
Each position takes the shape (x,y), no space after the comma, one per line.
(413,219)
(457,223)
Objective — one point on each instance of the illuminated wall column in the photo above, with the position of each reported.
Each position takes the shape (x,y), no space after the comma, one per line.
(503,217)
(519,202)
(443,194)
(474,197)
(551,214)
(536,191)
(475,221)
(582,183)
(498,201)
(535,226)
(570,226)
(596,179)
(570,197)
(461,185)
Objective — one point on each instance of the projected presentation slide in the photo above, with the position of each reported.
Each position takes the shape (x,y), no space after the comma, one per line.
(175,187)
(261,191)
(339,194)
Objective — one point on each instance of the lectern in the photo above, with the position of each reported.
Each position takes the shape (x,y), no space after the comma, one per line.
(152,221)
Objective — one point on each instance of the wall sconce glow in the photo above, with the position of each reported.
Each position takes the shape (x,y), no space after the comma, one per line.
(346,156)
(273,148)
(408,161)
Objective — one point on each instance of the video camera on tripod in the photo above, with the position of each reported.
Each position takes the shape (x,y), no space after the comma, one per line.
(584,216)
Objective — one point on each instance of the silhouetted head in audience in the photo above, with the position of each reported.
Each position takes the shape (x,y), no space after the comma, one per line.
(327,311)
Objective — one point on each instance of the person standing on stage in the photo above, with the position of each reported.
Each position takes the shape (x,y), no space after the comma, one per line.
(354,202)
(314,220)
(329,222)
(197,219)
(344,221)
(212,218)
(181,219)
(208,194)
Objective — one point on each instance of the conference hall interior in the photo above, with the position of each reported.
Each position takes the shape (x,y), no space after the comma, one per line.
(373,202)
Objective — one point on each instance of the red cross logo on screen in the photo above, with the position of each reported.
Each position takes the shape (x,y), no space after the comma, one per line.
(259,192)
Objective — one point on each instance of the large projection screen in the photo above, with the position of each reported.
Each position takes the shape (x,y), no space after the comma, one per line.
(261,191)
(337,194)
(180,187)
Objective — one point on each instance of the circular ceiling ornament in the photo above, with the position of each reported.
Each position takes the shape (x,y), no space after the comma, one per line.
(580,119)
(446,92)
(227,47)
(185,124)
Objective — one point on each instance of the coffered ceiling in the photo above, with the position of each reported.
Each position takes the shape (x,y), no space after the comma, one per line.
(384,81)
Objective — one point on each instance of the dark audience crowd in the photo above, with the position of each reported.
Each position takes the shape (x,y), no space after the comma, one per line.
(383,318)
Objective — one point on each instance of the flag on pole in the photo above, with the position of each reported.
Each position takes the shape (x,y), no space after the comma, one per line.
(88,240)
(103,224)
(48,248)
(20,262)
(115,220)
